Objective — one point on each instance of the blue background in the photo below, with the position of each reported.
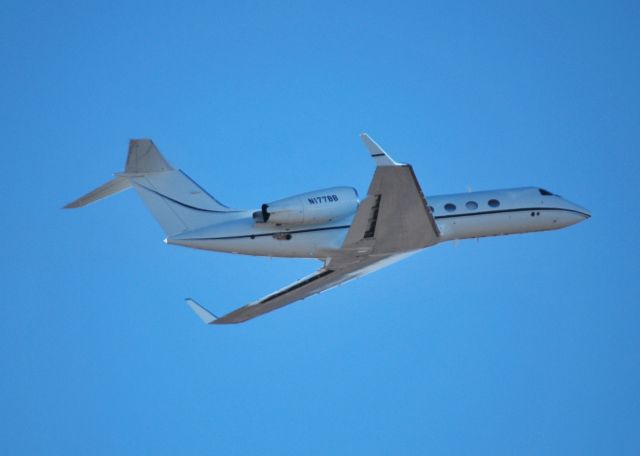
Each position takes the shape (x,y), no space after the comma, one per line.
(511,345)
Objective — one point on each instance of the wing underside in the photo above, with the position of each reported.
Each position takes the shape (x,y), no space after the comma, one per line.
(321,280)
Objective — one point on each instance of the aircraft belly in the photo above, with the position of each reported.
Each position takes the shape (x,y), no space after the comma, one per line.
(281,244)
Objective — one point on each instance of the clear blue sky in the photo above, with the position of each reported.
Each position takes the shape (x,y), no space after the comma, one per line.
(513,345)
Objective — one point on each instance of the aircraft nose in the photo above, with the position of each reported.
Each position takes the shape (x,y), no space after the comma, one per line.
(578,210)
(584,212)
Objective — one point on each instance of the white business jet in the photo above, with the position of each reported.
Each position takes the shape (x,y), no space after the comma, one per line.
(351,237)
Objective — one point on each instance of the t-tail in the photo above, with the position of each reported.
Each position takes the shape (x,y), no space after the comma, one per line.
(174,200)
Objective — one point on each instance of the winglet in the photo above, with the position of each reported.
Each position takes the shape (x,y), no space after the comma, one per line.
(377,153)
(201,312)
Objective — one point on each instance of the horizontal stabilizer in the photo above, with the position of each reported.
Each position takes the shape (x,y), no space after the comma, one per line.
(201,312)
(110,188)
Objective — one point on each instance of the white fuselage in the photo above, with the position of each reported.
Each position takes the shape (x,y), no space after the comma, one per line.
(458,216)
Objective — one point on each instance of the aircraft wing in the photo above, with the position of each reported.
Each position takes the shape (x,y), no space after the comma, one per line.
(393,222)
(395,216)
(325,278)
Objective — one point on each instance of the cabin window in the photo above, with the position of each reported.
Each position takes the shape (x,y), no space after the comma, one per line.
(472,205)
(449,207)
(494,203)
(432,209)
(545,192)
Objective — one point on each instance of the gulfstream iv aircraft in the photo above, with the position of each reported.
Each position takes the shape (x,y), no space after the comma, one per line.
(351,237)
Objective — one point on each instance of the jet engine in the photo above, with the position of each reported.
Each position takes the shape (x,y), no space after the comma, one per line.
(320,206)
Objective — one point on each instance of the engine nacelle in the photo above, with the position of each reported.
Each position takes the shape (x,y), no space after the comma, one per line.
(320,206)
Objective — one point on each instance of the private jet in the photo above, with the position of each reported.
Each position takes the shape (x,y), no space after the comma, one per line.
(352,238)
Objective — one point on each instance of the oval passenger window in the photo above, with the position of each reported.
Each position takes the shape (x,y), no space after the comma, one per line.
(472,205)
(494,203)
(449,207)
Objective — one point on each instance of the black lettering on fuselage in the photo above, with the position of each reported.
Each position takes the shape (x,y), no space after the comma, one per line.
(323,199)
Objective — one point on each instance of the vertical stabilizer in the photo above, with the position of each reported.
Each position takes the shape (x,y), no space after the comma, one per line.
(144,157)
(176,202)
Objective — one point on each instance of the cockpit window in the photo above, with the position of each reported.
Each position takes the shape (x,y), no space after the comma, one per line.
(545,192)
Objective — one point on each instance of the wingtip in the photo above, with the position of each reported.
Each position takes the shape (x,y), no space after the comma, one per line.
(377,153)
(204,315)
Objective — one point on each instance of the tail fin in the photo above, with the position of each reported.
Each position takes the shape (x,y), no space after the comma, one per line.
(175,201)
(144,157)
